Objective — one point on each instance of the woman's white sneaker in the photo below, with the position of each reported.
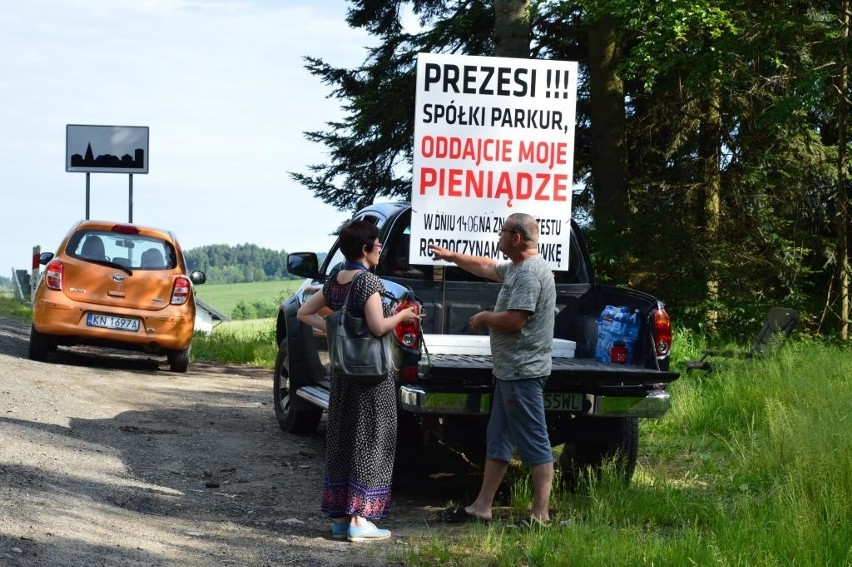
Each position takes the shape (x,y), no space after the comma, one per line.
(367,532)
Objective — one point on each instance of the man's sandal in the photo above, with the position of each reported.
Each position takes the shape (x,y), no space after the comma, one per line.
(458,516)
(532,524)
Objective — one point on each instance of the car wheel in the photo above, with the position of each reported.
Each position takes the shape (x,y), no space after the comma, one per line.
(603,440)
(291,420)
(40,345)
(179,359)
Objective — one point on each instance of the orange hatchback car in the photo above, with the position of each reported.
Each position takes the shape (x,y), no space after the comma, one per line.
(116,285)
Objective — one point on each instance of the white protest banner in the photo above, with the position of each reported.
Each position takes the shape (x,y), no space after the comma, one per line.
(492,136)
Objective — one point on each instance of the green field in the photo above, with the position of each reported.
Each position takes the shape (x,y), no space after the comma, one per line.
(224,297)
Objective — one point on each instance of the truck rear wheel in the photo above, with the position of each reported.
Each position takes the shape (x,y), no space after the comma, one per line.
(597,441)
(290,419)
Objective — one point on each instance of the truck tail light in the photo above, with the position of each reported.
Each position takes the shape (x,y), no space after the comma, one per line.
(53,275)
(181,290)
(662,333)
(408,374)
(408,334)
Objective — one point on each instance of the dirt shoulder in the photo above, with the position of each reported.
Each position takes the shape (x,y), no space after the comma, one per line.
(110,459)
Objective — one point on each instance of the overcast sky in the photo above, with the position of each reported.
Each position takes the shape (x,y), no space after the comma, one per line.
(222,88)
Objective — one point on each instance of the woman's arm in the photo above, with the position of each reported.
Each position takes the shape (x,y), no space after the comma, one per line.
(309,311)
(376,320)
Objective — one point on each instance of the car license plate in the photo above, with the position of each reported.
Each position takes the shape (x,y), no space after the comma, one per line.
(112,322)
(563,402)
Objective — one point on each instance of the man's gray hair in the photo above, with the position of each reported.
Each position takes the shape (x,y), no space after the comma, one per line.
(526,226)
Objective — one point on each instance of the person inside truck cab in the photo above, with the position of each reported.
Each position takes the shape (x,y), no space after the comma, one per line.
(521,335)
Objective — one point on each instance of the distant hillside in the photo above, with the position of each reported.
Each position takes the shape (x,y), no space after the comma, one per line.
(238,264)
(243,263)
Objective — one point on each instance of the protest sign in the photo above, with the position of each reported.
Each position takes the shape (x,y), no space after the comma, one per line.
(492,136)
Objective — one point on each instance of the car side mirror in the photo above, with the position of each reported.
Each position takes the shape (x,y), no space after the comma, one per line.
(45,257)
(197,277)
(303,264)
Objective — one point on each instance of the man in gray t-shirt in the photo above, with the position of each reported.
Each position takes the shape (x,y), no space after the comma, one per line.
(521,330)
(527,286)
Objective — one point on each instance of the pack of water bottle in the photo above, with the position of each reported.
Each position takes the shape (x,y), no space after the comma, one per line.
(618,330)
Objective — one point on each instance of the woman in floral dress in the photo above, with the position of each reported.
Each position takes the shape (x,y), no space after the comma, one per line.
(361,430)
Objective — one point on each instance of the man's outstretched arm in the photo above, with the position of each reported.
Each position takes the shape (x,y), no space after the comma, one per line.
(476,265)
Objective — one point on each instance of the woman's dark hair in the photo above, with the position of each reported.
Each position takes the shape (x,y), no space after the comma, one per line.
(355,236)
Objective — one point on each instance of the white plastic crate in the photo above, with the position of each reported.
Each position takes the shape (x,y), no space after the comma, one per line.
(479,345)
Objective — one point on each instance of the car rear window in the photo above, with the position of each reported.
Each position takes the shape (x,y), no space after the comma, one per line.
(132,251)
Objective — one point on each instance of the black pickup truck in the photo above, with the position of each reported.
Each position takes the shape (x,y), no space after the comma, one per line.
(445,382)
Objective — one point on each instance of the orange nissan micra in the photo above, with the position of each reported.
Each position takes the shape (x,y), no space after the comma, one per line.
(116,285)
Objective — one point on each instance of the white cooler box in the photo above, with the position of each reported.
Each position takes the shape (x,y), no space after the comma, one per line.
(479,345)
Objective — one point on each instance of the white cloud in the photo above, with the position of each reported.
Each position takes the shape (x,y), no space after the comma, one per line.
(220,84)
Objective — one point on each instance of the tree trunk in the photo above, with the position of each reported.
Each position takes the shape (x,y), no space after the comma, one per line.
(710,152)
(842,195)
(608,160)
(511,28)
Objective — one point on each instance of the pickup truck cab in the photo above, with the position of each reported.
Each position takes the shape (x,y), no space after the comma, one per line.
(445,381)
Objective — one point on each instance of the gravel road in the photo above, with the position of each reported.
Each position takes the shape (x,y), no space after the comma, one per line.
(107,458)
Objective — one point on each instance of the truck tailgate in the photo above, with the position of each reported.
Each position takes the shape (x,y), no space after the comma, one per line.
(470,355)
(573,370)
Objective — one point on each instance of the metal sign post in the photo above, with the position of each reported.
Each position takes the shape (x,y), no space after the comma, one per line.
(130,204)
(88,181)
(106,149)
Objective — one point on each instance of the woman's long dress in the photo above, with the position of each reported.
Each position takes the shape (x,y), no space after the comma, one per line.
(361,429)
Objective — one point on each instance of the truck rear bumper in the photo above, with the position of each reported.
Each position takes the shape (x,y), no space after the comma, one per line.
(654,404)
(420,400)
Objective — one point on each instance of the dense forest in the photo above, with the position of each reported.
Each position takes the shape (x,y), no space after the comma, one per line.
(224,264)
(711,139)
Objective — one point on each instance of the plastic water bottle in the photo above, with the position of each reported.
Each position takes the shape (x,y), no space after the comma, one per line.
(632,334)
(605,320)
(612,326)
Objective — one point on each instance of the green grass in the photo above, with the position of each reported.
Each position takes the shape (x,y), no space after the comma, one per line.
(249,342)
(238,342)
(752,466)
(224,297)
(10,306)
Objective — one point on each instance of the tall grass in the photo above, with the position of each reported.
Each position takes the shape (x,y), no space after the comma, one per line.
(752,466)
(12,307)
(238,342)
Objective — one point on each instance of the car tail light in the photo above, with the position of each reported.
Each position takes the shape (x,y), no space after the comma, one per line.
(181,290)
(408,334)
(662,332)
(53,275)
(125,229)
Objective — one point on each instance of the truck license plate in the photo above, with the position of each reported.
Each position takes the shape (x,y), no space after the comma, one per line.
(563,402)
(112,322)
